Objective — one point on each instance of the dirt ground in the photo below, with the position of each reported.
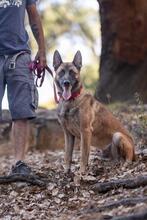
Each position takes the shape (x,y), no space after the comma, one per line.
(71,196)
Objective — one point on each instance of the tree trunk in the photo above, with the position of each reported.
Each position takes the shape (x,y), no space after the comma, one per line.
(123,64)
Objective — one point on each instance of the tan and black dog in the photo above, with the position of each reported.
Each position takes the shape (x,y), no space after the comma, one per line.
(82,116)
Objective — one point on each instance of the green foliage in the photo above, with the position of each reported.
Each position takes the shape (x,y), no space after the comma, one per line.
(89,76)
(71,20)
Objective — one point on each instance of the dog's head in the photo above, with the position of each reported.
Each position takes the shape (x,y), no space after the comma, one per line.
(67,76)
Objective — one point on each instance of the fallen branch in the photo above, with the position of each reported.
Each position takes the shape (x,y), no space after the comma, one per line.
(141,216)
(123,202)
(112,205)
(22,178)
(125,183)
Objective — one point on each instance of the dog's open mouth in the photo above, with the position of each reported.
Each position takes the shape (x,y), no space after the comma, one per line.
(67,92)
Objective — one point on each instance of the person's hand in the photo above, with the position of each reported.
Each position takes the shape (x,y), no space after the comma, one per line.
(41,59)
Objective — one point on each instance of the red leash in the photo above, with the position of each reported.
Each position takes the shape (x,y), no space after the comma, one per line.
(40,74)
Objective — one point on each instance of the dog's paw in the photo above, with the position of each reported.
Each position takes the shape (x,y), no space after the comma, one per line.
(127,164)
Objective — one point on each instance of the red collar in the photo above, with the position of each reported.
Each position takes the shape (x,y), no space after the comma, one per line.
(74,94)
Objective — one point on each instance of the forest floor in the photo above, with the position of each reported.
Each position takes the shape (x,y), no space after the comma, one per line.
(71,197)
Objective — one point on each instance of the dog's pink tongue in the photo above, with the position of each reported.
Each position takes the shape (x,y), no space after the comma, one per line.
(66,93)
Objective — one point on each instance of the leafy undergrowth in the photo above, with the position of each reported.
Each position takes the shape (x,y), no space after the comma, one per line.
(71,196)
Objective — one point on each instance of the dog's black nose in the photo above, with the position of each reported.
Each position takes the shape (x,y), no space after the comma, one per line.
(66,82)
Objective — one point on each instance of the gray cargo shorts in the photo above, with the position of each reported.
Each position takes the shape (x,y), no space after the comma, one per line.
(22,93)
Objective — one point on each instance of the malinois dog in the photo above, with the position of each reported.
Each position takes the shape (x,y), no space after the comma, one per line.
(82,116)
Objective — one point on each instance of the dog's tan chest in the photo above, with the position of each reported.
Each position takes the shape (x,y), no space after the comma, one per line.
(69,119)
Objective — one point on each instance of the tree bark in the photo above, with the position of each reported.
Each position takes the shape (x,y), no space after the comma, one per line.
(123,63)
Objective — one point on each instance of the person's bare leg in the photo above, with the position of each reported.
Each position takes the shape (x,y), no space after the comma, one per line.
(20,135)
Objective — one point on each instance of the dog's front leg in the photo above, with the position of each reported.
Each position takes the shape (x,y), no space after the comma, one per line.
(69,145)
(85,148)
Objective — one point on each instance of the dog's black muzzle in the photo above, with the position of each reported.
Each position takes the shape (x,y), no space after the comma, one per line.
(66,83)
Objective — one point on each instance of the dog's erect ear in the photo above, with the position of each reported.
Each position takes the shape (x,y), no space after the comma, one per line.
(56,60)
(77,61)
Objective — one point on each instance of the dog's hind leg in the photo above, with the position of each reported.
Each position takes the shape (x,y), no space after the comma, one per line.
(69,145)
(122,147)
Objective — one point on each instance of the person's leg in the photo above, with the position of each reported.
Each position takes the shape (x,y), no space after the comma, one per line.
(20,137)
(22,105)
(2,82)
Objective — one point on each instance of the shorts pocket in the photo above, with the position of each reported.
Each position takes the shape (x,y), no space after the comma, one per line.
(23,61)
(35,97)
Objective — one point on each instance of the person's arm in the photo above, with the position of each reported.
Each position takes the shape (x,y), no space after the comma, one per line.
(36,26)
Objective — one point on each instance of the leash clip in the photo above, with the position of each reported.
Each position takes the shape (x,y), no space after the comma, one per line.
(13,59)
(12,65)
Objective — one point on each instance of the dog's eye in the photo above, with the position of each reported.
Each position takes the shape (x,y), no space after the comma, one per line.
(61,73)
(72,73)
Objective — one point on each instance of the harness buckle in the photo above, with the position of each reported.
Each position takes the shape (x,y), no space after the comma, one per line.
(12,65)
